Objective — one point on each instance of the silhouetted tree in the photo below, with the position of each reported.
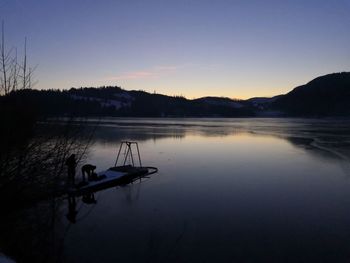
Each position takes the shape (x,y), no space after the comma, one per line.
(14,74)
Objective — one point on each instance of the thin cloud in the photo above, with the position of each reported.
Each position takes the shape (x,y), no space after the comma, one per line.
(159,71)
(154,73)
(134,75)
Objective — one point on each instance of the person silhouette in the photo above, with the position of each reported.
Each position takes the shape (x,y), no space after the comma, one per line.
(89,198)
(71,165)
(72,212)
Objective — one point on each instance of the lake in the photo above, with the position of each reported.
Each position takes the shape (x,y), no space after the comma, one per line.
(227,190)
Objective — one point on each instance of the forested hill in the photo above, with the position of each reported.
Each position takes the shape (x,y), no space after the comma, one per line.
(328,95)
(114,101)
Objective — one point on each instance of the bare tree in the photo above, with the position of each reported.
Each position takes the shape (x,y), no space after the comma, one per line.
(14,74)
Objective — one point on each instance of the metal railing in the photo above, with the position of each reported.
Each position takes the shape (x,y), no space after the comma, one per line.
(128,153)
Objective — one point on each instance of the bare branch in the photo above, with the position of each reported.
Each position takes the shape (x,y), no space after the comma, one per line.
(3,59)
(25,65)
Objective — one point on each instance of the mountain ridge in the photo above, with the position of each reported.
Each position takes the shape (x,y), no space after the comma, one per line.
(327,95)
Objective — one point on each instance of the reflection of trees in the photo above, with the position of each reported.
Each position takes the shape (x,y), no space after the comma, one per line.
(33,234)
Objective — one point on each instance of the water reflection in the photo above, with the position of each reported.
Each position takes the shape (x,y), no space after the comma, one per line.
(246,190)
(239,190)
(228,190)
(72,209)
(330,138)
(72,201)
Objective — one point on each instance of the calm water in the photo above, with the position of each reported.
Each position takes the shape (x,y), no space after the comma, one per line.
(227,190)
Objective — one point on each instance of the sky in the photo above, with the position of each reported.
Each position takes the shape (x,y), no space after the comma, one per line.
(194,48)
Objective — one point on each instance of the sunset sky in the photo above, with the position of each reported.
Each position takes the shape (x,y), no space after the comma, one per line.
(194,48)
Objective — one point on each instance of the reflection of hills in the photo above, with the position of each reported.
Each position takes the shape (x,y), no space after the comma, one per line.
(322,137)
(115,135)
(143,129)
